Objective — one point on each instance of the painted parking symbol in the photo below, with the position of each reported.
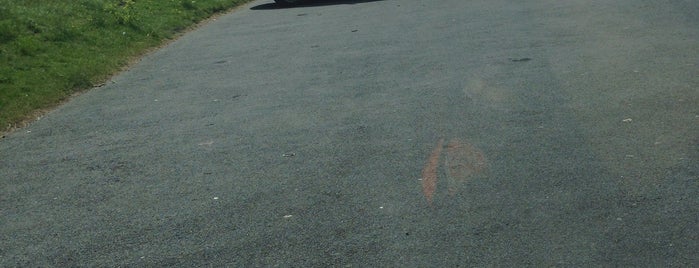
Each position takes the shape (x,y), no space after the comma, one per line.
(462,162)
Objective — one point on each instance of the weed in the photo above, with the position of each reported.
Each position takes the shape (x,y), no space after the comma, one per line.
(28,45)
(122,11)
(33,26)
(189,4)
(8,31)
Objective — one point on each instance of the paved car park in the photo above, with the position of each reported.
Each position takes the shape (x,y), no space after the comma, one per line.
(404,133)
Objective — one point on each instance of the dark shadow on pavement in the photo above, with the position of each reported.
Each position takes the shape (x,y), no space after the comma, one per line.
(310,3)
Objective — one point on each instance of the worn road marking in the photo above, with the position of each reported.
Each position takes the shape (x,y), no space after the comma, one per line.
(462,161)
(429,173)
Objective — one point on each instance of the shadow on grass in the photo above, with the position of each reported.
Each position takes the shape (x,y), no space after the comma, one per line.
(310,3)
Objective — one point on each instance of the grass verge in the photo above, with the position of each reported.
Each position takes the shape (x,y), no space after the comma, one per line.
(51,49)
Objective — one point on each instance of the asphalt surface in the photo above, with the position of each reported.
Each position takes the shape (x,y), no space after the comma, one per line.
(398,133)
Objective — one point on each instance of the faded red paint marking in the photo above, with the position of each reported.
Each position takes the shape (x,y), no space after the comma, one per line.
(429,173)
(462,161)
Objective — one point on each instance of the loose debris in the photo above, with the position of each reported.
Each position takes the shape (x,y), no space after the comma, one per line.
(520,59)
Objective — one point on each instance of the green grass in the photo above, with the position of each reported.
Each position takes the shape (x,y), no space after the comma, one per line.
(50,49)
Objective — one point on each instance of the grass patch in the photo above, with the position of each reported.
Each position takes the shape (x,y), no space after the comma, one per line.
(50,49)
